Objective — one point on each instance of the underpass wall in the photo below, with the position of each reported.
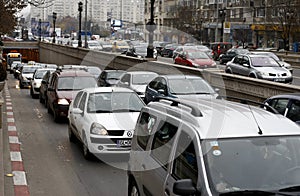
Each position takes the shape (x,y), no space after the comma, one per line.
(228,84)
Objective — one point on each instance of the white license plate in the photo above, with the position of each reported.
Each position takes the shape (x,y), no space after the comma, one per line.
(122,143)
(279,80)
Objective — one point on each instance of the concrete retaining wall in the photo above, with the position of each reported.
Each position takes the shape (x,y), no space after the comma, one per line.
(230,85)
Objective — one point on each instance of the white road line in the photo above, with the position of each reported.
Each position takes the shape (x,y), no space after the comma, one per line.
(15,156)
(9,113)
(11,128)
(19,178)
(10,119)
(13,140)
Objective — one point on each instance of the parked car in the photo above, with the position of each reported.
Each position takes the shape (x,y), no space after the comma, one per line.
(120,46)
(140,51)
(94,45)
(26,75)
(195,58)
(274,56)
(62,89)
(228,56)
(219,48)
(179,86)
(159,46)
(258,66)
(215,147)
(168,50)
(103,119)
(287,105)
(110,77)
(137,81)
(35,82)
(106,45)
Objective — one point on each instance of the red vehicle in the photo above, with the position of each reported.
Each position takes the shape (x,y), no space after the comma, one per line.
(195,58)
(219,48)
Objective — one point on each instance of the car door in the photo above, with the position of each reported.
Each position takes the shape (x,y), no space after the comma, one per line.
(125,81)
(245,68)
(51,94)
(75,104)
(155,166)
(185,162)
(79,118)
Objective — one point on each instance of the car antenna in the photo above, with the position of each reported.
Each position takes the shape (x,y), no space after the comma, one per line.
(259,129)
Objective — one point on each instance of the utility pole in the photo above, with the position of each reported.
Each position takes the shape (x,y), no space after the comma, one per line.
(150,26)
(85,26)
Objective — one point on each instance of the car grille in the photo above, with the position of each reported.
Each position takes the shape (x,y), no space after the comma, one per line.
(274,75)
(115,132)
(107,140)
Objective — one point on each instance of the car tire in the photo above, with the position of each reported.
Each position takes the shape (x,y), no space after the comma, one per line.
(56,116)
(41,98)
(228,71)
(133,189)
(72,137)
(85,150)
(48,108)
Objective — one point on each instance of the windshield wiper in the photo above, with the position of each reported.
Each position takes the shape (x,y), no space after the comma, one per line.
(295,188)
(253,192)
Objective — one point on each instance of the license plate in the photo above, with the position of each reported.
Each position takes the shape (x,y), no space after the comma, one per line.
(279,80)
(123,143)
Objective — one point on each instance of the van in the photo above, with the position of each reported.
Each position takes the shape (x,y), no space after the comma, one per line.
(219,48)
(213,147)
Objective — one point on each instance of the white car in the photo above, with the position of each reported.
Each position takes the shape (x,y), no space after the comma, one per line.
(35,82)
(103,119)
(137,81)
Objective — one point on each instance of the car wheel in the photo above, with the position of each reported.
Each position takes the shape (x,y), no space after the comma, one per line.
(72,137)
(21,85)
(48,108)
(41,98)
(133,189)
(56,116)
(228,71)
(86,152)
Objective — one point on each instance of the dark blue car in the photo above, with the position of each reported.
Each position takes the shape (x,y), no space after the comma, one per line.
(179,86)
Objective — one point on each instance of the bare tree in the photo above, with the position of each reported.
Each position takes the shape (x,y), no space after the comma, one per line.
(285,18)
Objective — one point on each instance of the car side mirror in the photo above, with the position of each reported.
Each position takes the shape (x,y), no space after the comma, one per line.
(184,187)
(76,111)
(161,91)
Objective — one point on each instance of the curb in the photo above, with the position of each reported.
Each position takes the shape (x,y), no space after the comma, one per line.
(19,175)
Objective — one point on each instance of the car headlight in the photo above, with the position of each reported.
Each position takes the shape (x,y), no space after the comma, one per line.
(195,65)
(98,129)
(263,73)
(214,64)
(62,102)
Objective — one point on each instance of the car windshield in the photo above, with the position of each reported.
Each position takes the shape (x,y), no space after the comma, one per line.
(197,55)
(114,102)
(75,83)
(258,163)
(142,78)
(189,86)
(40,74)
(264,61)
(27,70)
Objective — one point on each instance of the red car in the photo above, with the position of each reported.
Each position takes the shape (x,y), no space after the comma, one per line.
(195,58)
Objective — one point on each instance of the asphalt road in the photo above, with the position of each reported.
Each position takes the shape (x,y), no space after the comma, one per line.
(53,165)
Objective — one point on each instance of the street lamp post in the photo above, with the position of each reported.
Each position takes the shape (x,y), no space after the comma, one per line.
(150,26)
(54,20)
(85,26)
(79,33)
(222,15)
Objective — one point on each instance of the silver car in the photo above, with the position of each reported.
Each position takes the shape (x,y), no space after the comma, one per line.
(259,66)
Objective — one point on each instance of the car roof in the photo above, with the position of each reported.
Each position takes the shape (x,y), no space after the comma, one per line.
(68,73)
(107,89)
(141,72)
(219,118)
(287,95)
(178,76)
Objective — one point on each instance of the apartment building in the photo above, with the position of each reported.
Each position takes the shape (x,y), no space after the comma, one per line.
(264,23)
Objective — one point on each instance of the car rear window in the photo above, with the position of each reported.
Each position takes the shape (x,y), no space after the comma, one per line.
(76,83)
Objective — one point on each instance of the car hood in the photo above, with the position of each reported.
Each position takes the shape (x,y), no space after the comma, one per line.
(69,95)
(202,62)
(117,121)
(271,69)
(139,88)
(27,75)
